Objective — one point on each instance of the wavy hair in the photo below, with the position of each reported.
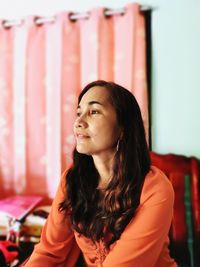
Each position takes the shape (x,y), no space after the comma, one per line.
(93,212)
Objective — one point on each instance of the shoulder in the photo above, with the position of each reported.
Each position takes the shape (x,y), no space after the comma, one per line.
(61,189)
(156,188)
(63,179)
(153,215)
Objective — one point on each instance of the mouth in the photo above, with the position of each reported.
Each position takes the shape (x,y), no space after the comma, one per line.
(81,136)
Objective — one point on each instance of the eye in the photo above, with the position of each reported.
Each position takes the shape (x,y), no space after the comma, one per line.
(94,112)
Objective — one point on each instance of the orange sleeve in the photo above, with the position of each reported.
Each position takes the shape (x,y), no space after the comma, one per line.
(57,245)
(144,237)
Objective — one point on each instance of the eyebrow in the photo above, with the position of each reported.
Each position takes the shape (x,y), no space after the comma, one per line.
(92,103)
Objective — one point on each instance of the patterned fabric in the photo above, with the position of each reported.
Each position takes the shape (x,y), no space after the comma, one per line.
(42,70)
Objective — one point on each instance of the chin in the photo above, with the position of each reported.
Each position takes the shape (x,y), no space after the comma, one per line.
(81,150)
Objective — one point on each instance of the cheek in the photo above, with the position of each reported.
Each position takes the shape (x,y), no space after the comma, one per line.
(75,124)
(107,132)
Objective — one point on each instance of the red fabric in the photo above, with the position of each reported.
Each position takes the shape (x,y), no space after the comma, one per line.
(9,250)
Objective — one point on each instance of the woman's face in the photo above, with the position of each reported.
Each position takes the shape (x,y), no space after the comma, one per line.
(96,128)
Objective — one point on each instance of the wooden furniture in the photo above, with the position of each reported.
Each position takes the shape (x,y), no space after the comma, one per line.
(184,173)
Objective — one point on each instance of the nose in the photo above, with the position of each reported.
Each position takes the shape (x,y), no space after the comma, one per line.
(80,122)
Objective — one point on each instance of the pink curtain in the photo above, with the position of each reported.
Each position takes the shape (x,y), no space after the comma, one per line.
(42,70)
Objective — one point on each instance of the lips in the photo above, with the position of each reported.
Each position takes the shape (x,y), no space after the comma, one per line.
(81,136)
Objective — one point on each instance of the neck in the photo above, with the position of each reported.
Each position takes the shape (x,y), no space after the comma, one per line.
(104,166)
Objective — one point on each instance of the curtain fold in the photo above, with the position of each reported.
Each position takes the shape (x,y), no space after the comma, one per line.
(6,118)
(43,68)
(36,104)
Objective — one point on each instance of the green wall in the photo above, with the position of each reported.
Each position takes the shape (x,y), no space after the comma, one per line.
(176,77)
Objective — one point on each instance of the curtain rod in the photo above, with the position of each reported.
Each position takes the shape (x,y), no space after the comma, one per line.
(74,16)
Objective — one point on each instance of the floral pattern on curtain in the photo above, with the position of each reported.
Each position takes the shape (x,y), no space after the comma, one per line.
(43,68)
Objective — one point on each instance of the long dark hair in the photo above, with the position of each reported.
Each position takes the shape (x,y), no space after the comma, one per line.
(93,213)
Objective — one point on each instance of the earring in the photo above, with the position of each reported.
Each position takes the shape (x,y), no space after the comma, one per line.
(117,147)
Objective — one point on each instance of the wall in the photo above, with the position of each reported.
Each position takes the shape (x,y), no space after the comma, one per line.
(176,78)
(175,65)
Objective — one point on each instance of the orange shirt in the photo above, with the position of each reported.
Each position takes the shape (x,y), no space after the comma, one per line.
(144,242)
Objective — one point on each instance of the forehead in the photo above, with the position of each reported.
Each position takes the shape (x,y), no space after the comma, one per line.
(96,93)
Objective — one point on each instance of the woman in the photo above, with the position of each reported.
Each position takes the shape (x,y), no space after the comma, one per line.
(111,204)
